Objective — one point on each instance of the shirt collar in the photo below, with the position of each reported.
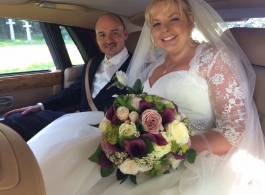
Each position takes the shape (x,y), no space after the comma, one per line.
(117,58)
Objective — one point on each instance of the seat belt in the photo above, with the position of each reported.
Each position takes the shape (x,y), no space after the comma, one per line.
(88,92)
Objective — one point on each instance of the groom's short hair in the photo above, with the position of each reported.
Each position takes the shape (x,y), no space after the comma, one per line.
(122,23)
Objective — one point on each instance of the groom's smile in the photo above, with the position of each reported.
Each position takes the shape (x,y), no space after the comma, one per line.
(110,35)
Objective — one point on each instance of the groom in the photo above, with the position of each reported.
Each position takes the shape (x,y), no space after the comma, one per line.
(111,35)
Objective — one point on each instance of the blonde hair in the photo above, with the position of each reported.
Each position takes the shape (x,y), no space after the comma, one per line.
(170,5)
(182,6)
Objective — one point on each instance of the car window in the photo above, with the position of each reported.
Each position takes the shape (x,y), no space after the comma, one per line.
(249,23)
(73,52)
(22,47)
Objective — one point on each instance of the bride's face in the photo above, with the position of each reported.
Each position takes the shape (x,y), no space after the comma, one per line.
(171,29)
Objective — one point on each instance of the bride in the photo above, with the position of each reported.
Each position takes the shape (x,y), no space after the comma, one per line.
(212,85)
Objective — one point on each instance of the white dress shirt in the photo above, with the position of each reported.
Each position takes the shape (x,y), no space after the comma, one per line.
(103,74)
(106,70)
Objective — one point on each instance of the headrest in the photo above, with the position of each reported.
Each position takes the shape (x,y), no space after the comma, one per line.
(252,42)
(19,170)
(132,41)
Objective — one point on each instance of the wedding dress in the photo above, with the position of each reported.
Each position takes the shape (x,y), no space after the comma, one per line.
(63,147)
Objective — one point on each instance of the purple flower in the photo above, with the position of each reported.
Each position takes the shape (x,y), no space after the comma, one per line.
(104,161)
(135,147)
(111,115)
(178,157)
(156,138)
(168,116)
(144,105)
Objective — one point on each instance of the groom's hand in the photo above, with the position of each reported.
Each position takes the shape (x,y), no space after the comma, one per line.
(25,110)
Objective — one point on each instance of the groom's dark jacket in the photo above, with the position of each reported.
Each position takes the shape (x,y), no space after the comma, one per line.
(76,93)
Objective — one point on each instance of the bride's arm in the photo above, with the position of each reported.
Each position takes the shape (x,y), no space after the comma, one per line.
(228,103)
(217,142)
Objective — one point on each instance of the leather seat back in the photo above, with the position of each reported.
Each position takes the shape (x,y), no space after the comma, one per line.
(19,169)
(252,42)
(132,40)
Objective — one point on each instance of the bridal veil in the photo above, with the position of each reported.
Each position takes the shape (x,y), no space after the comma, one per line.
(242,170)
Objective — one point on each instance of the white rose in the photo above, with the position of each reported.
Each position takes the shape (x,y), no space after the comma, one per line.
(129,167)
(177,131)
(174,163)
(162,150)
(136,102)
(133,116)
(122,78)
(122,113)
(127,129)
(103,125)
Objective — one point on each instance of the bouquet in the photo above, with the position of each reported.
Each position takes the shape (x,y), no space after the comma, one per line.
(142,134)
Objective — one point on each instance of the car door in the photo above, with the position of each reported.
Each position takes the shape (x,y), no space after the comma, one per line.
(32,62)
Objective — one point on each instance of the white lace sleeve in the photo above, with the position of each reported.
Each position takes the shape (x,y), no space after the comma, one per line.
(227,98)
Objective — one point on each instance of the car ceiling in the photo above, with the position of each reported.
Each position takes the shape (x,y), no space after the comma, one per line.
(130,8)
(134,9)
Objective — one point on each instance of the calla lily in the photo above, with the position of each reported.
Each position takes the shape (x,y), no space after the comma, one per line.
(116,148)
(144,105)
(104,161)
(156,138)
(168,116)
(135,147)
(111,115)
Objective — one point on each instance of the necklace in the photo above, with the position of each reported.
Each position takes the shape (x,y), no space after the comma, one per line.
(176,61)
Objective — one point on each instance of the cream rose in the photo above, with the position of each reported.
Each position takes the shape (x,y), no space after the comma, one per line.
(122,113)
(127,129)
(133,116)
(122,78)
(103,125)
(162,150)
(177,131)
(174,163)
(136,102)
(129,167)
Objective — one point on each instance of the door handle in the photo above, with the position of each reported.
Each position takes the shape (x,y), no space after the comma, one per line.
(6,101)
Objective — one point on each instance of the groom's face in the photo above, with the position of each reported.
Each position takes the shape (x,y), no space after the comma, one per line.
(110,35)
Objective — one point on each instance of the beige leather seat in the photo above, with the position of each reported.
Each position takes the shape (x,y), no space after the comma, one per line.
(252,41)
(132,40)
(19,171)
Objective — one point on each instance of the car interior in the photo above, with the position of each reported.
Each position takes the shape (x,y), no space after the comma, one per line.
(20,173)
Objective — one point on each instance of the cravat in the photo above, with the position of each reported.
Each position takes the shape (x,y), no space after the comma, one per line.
(107,64)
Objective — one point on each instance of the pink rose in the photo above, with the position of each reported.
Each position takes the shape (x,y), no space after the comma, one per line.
(152,121)
(105,146)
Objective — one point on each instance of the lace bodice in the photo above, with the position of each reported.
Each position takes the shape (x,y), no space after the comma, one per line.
(208,94)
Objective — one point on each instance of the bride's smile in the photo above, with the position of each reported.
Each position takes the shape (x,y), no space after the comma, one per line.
(171,29)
